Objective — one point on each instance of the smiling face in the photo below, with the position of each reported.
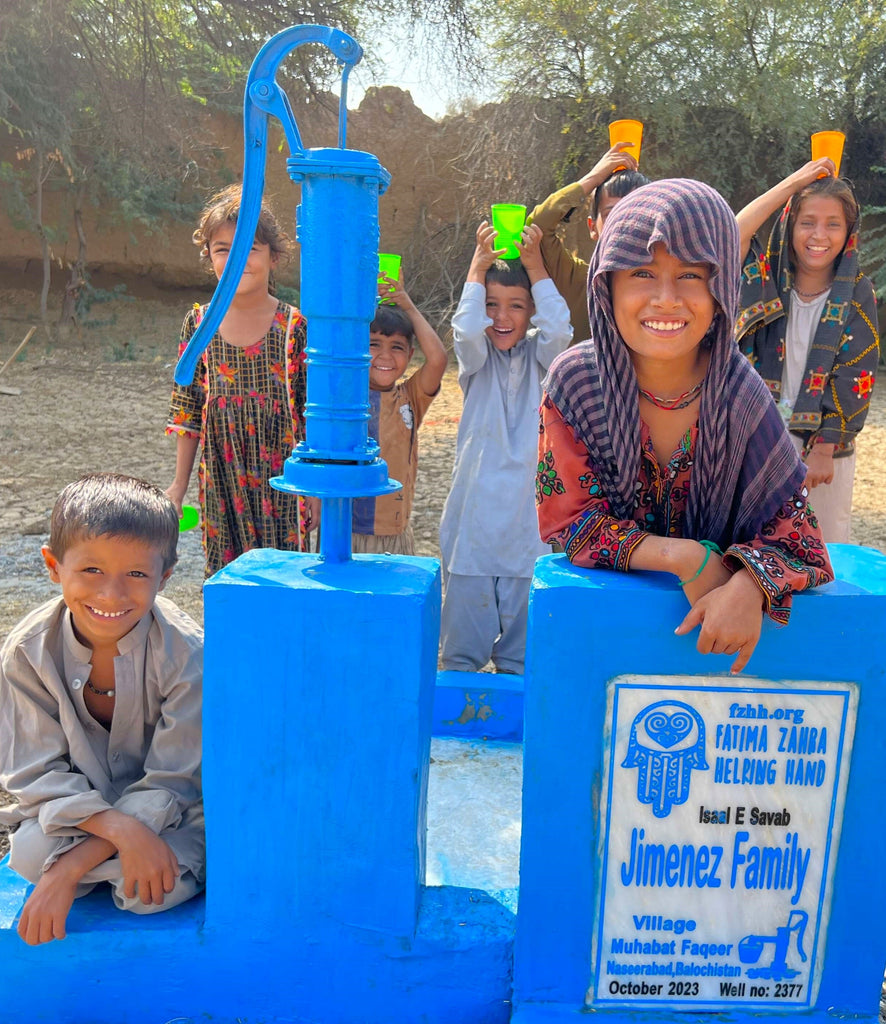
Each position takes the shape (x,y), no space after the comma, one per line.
(260,263)
(664,308)
(390,355)
(819,233)
(510,308)
(109,584)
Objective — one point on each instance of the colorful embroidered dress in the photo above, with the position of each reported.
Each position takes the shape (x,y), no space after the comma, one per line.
(246,405)
(573,510)
(735,478)
(835,393)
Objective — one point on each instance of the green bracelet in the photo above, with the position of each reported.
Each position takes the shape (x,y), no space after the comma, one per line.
(710,546)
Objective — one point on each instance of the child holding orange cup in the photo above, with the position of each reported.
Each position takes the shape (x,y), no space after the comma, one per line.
(808,323)
(614,176)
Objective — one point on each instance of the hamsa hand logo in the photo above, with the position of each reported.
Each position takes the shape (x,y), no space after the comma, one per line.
(667,741)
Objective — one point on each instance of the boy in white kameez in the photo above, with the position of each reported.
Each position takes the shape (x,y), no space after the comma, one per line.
(510,324)
(100,705)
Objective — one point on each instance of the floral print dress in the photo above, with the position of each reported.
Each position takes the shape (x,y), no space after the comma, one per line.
(246,405)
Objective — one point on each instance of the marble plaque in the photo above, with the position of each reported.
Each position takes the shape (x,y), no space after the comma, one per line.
(719,829)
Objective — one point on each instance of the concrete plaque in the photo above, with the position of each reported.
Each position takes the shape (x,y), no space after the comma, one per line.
(719,826)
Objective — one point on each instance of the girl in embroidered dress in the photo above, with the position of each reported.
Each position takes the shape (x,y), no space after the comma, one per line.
(660,448)
(808,323)
(244,408)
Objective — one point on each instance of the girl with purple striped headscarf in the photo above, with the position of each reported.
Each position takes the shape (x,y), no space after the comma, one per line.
(659,443)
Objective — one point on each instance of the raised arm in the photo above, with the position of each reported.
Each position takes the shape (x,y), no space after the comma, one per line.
(758,211)
(470,321)
(430,374)
(551,315)
(615,158)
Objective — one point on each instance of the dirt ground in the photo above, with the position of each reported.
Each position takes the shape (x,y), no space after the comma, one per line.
(97,401)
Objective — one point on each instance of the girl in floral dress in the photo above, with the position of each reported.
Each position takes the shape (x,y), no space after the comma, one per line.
(660,448)
(244,408)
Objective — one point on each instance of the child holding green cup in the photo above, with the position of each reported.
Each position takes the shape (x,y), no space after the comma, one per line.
(508,219)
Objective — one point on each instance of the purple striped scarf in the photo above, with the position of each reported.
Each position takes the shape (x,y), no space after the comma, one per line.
(745,467)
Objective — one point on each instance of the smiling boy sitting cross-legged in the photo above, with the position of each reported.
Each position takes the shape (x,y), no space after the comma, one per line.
(100,705)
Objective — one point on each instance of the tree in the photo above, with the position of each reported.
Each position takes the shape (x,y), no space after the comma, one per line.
(729,89)
(103,96)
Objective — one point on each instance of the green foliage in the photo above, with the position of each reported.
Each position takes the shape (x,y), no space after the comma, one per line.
(286,294)
(729,90)
(89,296)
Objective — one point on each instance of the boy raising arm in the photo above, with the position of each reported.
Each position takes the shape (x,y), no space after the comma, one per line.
(397,408)
(100,702)
(509,326)
(613,176)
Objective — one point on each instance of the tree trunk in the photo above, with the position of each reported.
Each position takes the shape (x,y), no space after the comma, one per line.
(68,316)
(44,242)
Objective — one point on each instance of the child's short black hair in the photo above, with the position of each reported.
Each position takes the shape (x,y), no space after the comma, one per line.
(617,185)
(510,273)
(392,320)
(112,505)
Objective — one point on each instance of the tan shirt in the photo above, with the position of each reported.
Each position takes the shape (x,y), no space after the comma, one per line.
(568,271)
(395,417)
(60,763)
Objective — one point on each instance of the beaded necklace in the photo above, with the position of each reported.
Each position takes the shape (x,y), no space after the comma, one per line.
(98,692)
(672,404)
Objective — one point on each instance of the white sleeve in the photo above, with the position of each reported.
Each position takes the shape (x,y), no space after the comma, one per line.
(469,329)
(551,318)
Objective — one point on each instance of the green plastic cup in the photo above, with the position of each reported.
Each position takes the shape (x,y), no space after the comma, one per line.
(190,517)
(508,219)
(389,265)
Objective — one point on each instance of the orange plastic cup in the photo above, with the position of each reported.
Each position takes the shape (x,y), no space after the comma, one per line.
(828,144)
(627,131)
(389,265)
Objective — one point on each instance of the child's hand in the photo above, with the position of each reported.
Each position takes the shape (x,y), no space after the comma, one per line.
(176,495)
(530,244)
(311,512)
(530,252)
(730,616)
(619,156)
(47,908)
(812,171)
(394,292)
(148,864)
(819,465)
(484,254)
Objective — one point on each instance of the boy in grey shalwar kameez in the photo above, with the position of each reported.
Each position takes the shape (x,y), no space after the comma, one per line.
(510,324)
(100,708)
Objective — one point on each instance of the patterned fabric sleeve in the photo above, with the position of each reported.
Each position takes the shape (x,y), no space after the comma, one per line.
(572,508)
(847,395)
(789,555)
(187,402)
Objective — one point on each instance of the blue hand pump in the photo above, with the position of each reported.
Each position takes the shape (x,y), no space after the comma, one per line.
(337,228)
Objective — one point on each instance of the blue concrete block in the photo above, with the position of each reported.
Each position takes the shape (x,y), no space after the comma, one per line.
(116,968)
(478,705)
(587,628)
(330,688)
